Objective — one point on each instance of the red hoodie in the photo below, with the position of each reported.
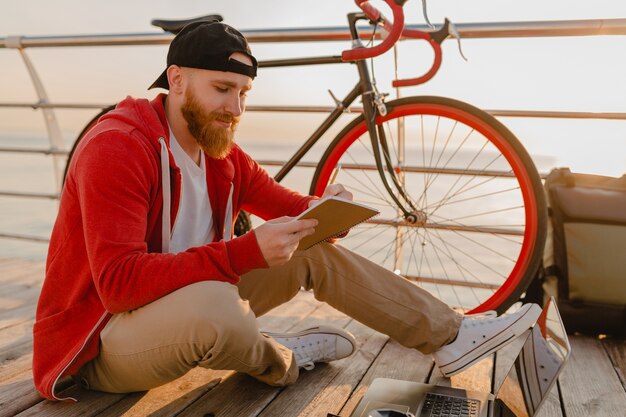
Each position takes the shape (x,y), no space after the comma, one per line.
(105,255)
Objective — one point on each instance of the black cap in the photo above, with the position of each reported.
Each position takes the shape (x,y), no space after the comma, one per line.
(208,45)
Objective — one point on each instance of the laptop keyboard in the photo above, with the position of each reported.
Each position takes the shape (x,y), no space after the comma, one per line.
(436,405)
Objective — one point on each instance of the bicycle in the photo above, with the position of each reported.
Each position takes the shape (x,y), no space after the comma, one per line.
(429,229)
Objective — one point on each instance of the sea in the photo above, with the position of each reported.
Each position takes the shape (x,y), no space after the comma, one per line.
(35,173)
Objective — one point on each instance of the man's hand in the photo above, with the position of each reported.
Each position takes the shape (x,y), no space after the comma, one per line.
(279,238)
(334,190)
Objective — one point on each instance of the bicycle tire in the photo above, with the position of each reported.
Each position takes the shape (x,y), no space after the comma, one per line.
(490,260)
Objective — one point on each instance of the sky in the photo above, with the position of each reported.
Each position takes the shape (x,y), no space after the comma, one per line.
(569,74)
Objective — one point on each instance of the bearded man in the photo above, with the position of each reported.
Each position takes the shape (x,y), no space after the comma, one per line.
(144,280)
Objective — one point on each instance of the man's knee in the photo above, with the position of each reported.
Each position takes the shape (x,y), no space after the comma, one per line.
(216,314)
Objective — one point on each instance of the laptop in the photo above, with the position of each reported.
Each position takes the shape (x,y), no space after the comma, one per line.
(520,389)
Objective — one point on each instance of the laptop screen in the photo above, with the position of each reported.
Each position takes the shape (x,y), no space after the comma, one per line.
(536,368)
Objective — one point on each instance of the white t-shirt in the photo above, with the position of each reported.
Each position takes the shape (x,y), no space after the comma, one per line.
(194,222)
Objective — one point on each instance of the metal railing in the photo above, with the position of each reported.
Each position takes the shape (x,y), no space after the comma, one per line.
(57,150)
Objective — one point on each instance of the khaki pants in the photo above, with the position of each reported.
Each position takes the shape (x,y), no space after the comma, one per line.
(213,324)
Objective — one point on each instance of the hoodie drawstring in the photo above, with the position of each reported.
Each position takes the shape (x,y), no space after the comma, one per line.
(167,197)
(167,203)
(228,221)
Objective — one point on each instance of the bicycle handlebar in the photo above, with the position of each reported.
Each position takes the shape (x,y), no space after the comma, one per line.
(395,31)
(394,34)
(436,45)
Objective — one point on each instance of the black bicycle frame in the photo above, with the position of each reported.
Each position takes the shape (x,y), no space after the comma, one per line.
(365,89)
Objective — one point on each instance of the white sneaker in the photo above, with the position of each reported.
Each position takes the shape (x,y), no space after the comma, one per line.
(317,344)
(480,336)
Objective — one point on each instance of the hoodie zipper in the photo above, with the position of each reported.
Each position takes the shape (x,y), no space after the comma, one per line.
(56,381)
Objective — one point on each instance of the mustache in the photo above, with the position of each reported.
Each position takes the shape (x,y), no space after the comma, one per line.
(223,117)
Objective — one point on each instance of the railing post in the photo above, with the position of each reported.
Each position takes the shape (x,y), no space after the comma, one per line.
(52,125)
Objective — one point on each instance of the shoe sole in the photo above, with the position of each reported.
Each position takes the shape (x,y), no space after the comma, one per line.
(507,335)
(319,330)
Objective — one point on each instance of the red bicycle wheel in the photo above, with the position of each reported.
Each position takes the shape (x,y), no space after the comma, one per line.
(479,197)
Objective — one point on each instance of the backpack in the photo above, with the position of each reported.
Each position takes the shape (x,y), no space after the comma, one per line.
(584,263)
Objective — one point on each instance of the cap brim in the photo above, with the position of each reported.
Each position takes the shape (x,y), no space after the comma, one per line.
(161,82)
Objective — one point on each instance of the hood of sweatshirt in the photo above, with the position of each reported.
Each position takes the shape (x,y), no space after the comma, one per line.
(149,119)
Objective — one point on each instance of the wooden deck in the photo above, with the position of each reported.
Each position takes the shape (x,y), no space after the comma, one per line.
(593,383)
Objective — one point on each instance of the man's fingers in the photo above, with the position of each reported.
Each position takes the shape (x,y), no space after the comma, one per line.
(302,233)
(299,225)
(345,194)
(337,190)
(282,219)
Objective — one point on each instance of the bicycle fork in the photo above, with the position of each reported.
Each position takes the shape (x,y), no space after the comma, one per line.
(410,212)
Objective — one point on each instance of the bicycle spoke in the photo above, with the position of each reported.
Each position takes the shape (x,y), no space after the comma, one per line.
(467,168)
(458,266)
(463,188)
(461,266)
(445,146)
(448,203)
(443,221)
(435,249)
(422,252)
(362,229)
(423,197)
(380,193)
(488,212)
(464,272)
(454,153)
(430,162)
(391,245)
(365,241)
(479,262)
(475,242)
(485,181)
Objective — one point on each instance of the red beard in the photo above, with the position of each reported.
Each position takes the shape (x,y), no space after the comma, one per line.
(215,141)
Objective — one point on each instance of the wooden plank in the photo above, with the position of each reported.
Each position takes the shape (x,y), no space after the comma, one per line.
(23,313)
(18,394)
(91,404)
(19,295)
(589,383)
(32,277)
(174,397)
(329,387)
(16,341)
(168,399)
(22,270)
(616,350)
(241,395)
(10,263)
(16,355)
(15,367)
(394,361)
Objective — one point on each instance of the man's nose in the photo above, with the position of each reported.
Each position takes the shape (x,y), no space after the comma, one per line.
(235,106)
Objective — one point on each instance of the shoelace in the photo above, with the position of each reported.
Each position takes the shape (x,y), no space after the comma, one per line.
(308,353)
(480,318)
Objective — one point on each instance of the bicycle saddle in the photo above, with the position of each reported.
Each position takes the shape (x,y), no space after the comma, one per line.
(174,26)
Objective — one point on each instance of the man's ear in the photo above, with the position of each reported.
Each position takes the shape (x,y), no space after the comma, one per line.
(175,76)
